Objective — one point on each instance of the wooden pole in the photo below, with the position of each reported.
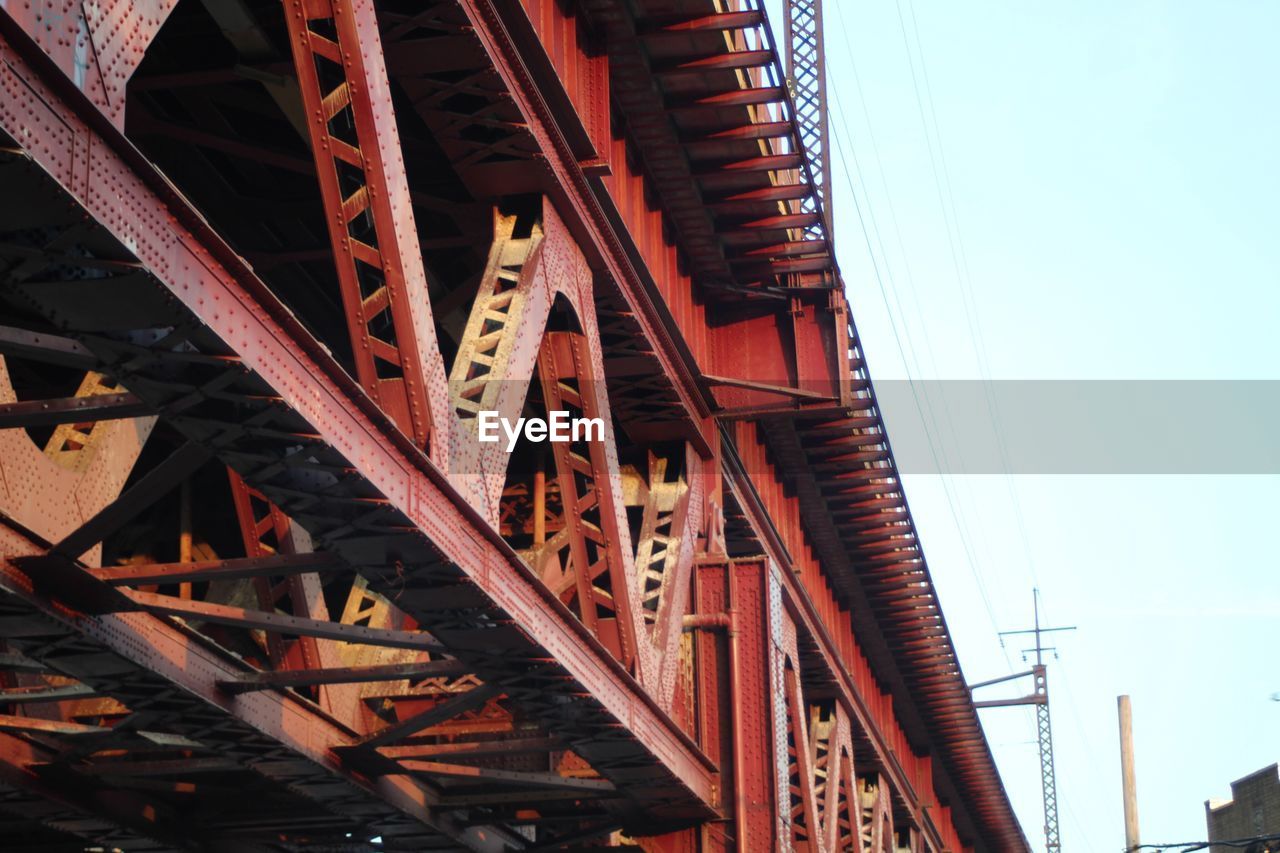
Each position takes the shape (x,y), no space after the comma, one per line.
(1131,839)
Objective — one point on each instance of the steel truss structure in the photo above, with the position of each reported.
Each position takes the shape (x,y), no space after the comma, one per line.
(807,79)
(263,264)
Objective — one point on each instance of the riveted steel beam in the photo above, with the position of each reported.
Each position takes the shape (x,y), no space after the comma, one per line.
(345,675)
(732,98)
(72,410)
(338,55)
(208,570)
(474,749)
(597,578)
(158,668)
(513,777)
(418,502)
(281,623)
(442,712)
(156,484)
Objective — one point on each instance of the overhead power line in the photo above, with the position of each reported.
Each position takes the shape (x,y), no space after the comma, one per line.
(1271,842)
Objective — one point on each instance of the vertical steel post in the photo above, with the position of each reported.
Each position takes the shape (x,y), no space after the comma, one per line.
(737,724)
(1048,780)
(1044,730)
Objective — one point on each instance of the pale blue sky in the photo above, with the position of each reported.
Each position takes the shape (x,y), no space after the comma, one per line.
(1111,168)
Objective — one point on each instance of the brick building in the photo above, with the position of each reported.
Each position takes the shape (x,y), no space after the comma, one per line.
(1253,810)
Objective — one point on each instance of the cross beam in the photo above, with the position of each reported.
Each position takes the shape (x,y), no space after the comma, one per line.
(345,675)
(282,623)
(193,267)
(210,570)
(72,410)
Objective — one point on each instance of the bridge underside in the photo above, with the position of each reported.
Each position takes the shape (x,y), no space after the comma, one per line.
(263,266)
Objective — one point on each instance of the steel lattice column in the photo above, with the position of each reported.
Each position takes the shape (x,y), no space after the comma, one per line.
(807,80)
(1047,780)
(356,145)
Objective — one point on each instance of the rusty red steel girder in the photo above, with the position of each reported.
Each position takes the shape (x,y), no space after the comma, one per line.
(274,737)
(407,479)
(430,640)
(352,128)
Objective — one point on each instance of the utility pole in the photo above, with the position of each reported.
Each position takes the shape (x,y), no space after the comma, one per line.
(1044,731)
(1131,838)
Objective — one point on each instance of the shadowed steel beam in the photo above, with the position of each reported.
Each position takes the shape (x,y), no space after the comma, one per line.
(160,767)
(589,834)
(22,695)
(734,98)
(209,570)
(702,23)
(158,482)
(14,662)
(346,675)
(753,130)
(446,710)
(87,822)
(72,410)
(282,623)
(50,349)
(140,658)
(474,749)
(12,723)
(514,777)
(714,62)
(521,798)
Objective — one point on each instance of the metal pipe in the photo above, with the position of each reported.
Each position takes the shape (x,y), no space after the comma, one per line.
(184,533)
(735,710)
(706,621)
(540,501)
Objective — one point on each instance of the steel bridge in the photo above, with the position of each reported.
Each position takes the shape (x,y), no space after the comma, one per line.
(262,266)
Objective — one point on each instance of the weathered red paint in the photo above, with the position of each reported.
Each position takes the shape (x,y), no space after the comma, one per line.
(696,237)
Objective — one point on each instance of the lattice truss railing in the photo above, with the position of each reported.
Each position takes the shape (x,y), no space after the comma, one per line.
(803,106)
(806,79)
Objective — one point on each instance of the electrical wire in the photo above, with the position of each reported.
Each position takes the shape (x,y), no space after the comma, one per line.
(934,435)
(1187,846)
(1079,825)
(963,276)
(844,162)
(964,280)
(982,546)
